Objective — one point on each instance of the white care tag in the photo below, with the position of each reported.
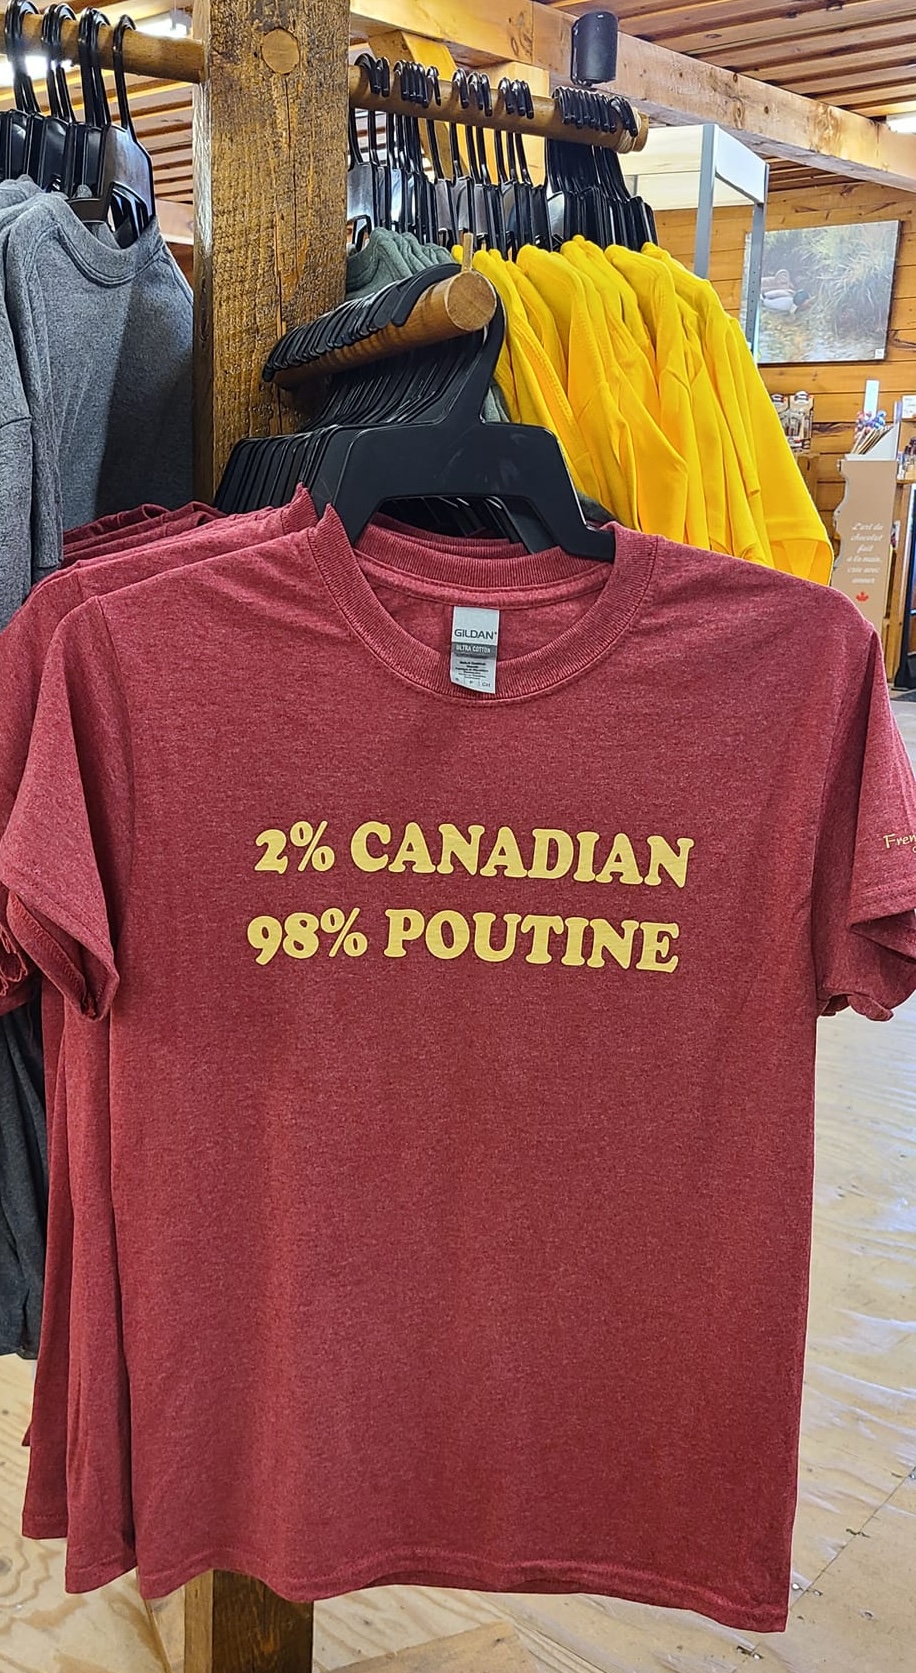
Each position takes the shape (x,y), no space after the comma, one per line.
(475,639)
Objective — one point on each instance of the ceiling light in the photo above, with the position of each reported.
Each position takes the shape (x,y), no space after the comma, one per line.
(36,66)
(905,124)
(172,23)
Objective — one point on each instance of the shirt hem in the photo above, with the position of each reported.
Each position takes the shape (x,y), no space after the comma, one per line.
(447,1569)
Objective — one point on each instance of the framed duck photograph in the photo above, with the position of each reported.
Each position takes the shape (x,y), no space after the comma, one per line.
(826,293)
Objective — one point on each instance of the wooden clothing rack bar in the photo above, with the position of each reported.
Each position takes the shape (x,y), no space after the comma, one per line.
(546,122)
(163,57)
(455,307)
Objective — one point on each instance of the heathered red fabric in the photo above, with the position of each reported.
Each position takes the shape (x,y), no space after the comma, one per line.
(112,541)
(114,524)
(96,1339)
(76,1136)
(473,1219)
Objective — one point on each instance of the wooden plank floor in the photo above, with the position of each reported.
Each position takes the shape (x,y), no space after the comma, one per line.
(855,1547)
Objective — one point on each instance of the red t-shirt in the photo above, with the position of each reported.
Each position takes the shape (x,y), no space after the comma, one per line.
(113,524)
(97,1473)
(23,649)
(114,540)
(462,1048)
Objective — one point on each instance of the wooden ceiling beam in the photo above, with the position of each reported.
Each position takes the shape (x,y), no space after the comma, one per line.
(673,88)
(903,103)
(844,66)
(669,86)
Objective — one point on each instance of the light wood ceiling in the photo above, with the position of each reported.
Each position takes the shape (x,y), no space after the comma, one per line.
(860,54)
(857,53)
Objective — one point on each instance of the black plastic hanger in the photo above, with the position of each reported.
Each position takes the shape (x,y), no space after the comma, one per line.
(60,130)
(376,184)
(114,166)
(456,455)
(20,129)
(360,199)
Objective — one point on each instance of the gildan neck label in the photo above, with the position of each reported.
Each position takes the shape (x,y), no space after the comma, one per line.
(475,641)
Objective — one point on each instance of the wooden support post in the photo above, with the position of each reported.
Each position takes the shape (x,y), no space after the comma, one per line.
(270,198)
(270,192)
(235,1625)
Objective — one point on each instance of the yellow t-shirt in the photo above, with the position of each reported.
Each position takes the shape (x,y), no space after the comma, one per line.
(529,384)
(796,537)
(541,321)
(607,378)
(654,287)
(711,325)
(637,366)
(596,413)
(626,301)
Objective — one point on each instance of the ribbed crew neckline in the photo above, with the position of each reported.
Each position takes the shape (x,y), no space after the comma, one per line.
(482,573)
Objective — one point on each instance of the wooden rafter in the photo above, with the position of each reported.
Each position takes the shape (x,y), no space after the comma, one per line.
(784,53)
(804,46)
(670,86)
(709,27)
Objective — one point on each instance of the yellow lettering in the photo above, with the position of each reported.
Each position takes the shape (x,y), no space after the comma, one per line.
(540,929)
(656,945)
(664,858)
(547,865)
(402,927)
(575,933)
(621,863)
(457,846)
(483,947)
(617,942)
(359,852)
(413,851)
(585,870)
(458,937)
(504,856)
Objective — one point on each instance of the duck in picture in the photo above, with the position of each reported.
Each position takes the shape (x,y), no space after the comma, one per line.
(780,296)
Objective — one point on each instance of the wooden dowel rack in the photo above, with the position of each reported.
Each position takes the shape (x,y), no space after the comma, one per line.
(164,57)
(455,307)
(546,122)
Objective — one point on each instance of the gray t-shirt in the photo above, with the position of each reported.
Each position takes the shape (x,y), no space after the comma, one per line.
(103,337)
(15,437)
(95,416)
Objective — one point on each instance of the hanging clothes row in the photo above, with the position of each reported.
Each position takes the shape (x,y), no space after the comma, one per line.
(83,262)
(95,384)
(656,399)
(632,362)
(258,1152)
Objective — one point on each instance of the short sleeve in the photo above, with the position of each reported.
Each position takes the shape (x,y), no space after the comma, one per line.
(864,888)
(23,650)
(65,855)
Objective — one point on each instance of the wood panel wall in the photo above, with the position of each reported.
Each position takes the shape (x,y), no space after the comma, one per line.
(838,388)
